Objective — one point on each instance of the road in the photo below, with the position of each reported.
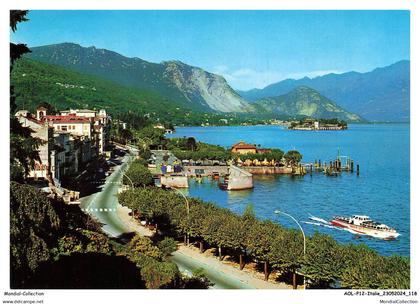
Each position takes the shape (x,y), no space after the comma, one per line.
(220,280)
(103,206)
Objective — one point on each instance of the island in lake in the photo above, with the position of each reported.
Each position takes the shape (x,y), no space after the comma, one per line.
(310,124)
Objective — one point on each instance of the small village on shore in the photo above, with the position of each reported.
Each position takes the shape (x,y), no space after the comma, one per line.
(80,149)
(75,139)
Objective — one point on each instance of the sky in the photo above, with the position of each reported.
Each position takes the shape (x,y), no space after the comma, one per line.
(251,49)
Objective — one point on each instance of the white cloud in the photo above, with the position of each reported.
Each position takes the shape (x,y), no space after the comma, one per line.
(246,78)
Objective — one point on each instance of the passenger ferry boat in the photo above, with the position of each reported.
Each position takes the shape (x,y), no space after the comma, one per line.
(362,224)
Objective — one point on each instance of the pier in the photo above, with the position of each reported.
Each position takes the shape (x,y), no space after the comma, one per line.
(333,167)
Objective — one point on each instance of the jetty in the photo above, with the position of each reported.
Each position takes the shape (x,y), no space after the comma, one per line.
(237,179)
(334,167)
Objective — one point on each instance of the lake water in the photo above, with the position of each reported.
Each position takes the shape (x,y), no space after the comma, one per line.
(381,191)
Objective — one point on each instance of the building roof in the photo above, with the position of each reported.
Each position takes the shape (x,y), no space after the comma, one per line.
(67,119)
(243,145)
(31,118)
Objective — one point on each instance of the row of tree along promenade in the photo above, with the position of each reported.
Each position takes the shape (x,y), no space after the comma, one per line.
(273,248)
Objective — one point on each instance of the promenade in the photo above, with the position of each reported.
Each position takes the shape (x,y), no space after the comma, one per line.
(105,208)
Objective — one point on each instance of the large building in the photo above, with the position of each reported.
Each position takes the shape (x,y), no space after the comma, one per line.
(243,148)
(70,140)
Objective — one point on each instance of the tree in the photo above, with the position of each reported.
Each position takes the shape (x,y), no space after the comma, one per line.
(50,108)
(157,136)
(259,241)
(167,246)
(191,144)
(125,135)
(365,269)
(138,174)
(42,230)
(286,252)
(293,157)
(323,262)
(144,146)
(23,147)
(154,270)
(143,245)
(33,226)
(197,214)
(83,241)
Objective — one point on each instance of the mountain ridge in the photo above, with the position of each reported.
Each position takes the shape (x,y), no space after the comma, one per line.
(382,94)
(186,85)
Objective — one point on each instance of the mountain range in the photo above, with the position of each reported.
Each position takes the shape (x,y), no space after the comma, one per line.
(187,86)
(176,85)
(379,95)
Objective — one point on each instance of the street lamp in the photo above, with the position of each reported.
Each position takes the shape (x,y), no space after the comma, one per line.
(188,210)
(303,234)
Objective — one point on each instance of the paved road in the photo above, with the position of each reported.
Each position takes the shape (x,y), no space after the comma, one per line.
(220,280)
(103,205)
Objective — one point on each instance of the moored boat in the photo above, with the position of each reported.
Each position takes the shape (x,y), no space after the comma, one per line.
(362,224)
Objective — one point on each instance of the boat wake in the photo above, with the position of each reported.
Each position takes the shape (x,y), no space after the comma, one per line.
(322,225)
(317,221)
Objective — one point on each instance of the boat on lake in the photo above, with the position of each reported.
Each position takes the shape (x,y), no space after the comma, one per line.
(362,224)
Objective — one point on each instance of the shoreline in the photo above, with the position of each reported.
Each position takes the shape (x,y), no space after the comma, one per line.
(281,125)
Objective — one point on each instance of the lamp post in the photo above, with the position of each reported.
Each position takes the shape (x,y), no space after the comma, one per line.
(303,234)
(188,211)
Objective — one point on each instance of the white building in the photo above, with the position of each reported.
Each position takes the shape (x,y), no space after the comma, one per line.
(99,129)
(42,131)
(76,125)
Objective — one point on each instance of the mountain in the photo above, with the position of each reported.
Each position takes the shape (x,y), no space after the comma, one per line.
(305,101)
(37,82)
(186,86)
(379,95)
(65,74)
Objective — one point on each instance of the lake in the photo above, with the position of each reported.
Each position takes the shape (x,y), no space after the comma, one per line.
(382,190)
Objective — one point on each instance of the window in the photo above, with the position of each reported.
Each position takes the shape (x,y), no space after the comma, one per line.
(63,128)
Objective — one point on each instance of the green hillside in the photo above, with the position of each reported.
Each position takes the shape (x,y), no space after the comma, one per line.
(37,82)
(305,102)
